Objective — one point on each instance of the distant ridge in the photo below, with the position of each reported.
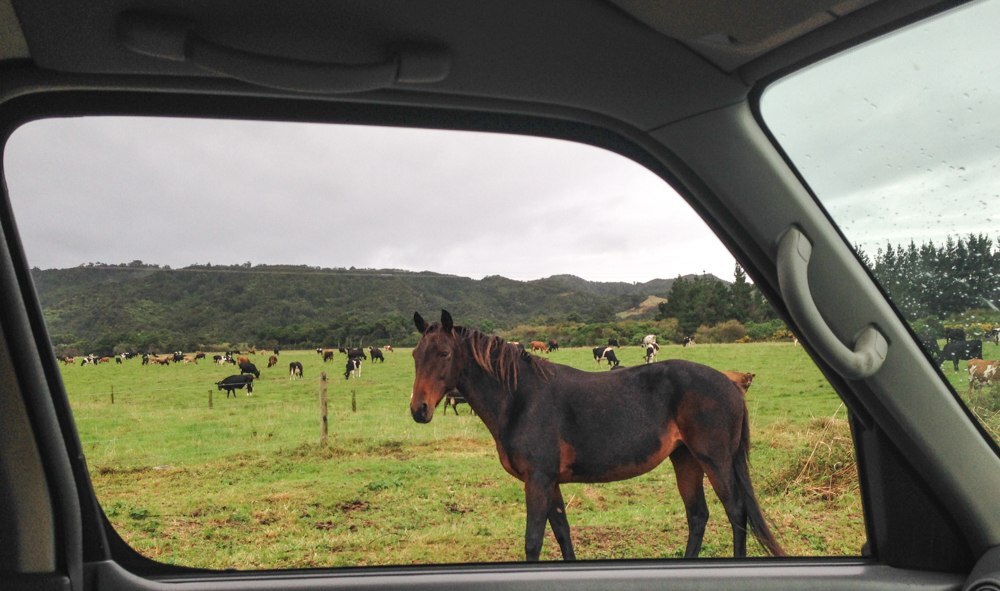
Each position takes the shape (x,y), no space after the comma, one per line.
(99,307)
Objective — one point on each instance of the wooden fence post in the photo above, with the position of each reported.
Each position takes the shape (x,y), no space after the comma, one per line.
(354,402)
(112,394)
(323,407)
(210,399)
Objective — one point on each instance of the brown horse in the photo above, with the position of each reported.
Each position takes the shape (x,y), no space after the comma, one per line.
(554,424)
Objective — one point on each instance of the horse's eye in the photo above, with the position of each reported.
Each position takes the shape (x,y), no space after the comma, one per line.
(444,354)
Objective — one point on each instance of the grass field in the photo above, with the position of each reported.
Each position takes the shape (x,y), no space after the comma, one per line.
(245,484)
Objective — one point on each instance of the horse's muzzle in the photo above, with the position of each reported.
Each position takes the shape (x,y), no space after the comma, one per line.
(421,414)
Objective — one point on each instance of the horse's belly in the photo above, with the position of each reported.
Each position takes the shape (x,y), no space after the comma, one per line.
(610,464)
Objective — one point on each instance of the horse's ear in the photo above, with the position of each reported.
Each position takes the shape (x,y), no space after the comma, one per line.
(446,322)
(419,321)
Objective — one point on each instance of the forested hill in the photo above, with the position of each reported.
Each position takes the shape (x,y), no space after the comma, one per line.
(140,307)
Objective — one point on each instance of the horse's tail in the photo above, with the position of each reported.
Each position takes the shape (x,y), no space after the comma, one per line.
(755,517)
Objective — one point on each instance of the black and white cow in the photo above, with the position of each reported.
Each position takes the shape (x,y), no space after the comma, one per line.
(607,354)
(651,350)
(294,370)
(353,368)
(237,382)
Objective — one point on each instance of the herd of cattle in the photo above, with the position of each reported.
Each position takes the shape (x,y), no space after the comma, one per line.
(248,370)
(957,347)
(981,372)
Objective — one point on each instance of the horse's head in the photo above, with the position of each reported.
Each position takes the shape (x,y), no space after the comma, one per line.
(438,360)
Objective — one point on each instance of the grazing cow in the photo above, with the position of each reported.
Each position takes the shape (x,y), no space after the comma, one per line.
(190,359)
(689,340)
(982,373)
(199,355)
(539,346)
(614,342)
(294,370)
(648,339)
(931,346)
(272,361)
(356,352)
(247,367)
(216,358)
(553,345)
(376,354)
(104,360)
(237,382)
(387,348)
(145,358)
(67,360)
(177,356)
(994,335)
(956,350)
(319,350)
(651,350)
(742,379)
(327,355)
(606,353)
(353,368)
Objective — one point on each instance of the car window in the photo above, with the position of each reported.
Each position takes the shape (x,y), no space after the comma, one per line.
(914,116)
(232,305)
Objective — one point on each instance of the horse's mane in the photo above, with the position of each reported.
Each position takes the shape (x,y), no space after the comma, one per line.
(500,359)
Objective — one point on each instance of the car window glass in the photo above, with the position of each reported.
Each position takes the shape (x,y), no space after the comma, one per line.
(898,140)
(164,250)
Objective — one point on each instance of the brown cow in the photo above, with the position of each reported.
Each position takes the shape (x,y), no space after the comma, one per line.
(741,379)
(272,361)
(983,373)
(539,346)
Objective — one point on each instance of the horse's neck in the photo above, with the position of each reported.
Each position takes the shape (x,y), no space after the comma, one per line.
(488,397)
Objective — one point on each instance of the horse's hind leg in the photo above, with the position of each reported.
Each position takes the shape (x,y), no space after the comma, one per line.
(560,525)
(690,482)
(726,488)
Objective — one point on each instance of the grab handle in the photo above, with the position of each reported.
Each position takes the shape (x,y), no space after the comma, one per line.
(794,251)
(174,39)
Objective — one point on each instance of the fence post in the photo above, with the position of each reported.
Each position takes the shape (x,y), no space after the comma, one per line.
(323,422)
(112,394)
(354,402)
(210,399)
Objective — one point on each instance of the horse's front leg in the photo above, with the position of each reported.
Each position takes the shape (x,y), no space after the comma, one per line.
(560,525)
(539,490)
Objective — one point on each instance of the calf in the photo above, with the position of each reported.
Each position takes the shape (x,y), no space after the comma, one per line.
(248,368)
(353,368)
(376,354)
(294,370)
(651,350)
(956,350)
(237,382)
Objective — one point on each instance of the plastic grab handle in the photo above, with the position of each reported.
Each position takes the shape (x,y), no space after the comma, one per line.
(794,251)
(174,39)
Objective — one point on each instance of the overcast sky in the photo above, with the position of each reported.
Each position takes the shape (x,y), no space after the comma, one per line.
(179,192)
(900,138)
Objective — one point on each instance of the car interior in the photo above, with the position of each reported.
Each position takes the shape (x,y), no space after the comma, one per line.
(743,108)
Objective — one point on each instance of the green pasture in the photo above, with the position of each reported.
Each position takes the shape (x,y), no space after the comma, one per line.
(188,476)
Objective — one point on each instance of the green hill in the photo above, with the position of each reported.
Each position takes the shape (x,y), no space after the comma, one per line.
(101,308)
